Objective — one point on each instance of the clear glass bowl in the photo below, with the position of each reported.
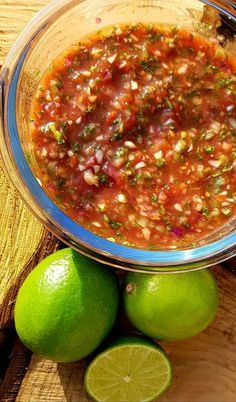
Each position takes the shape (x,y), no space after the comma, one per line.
(56,28)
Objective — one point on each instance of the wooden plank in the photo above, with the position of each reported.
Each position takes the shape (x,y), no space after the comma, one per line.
(24,240)
(19,361)
(11,27)
(204,366)
(21,232)
(19,269)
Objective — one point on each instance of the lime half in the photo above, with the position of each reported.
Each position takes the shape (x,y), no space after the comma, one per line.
(131,369)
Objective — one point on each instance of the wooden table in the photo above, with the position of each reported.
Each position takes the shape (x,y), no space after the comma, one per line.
(204,367)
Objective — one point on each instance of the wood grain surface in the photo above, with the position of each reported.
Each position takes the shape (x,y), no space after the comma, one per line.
(14,15)
(204,367)
(21,233)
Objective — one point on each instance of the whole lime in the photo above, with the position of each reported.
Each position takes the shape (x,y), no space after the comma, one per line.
(66,306)
(171,307)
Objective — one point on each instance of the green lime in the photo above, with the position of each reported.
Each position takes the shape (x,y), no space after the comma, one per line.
(171,307)
(66,306)
(131,369)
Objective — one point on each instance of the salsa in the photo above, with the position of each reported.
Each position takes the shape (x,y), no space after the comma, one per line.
(134,135)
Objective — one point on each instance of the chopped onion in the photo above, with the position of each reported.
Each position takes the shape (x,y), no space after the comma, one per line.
(232,122)
(81,168)
(182,69)
(123,64)
(177,231)
(215,126)
(198,207)
(140,165)
(225,204)
(215,163)
(146,233)
(43,152)
(96,168)
(117,105)
(85,73)
(230,108)
(168,78)
(133,85)
(70,153)
(92,84)
(178,207)
(158,155)
(157,53)
(92,98)
(78,120)
(130,145)
(88,91)
(167,122)
(119,31)
(99,138)
(99,156)
(91,178)
(122,198)
(164,65)
(97,224)
(112,58)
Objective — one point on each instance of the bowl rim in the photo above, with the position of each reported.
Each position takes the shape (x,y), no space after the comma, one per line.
(50,214)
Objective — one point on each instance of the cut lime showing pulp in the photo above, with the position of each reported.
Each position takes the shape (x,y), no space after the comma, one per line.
(132,369)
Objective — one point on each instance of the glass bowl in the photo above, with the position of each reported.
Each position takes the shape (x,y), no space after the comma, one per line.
(56,28)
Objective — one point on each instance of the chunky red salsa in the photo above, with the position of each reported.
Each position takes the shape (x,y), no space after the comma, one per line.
(134,133)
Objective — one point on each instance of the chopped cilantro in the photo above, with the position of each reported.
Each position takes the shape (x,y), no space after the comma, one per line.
(154,197)
(120,152)
(154,36)
(59,135)
(117,122)
(150,65)
(88,130)
(90,108)
(115,225)
(209,149)
(75,147)
(162,210)
(116,136)
(205,210)
(169,104)
(103,178)
(191,94)
(141,118)
(60,182)
(210,68)
(160,162)
(93,68)
(225,82)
